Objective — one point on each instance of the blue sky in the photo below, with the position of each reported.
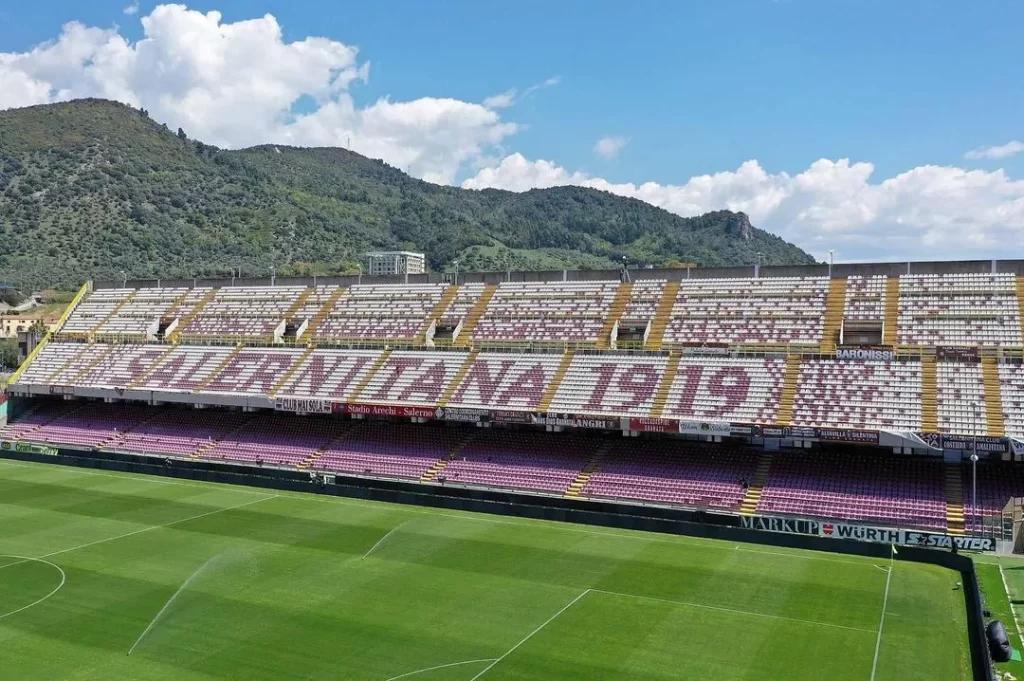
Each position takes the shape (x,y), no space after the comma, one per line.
(691,88)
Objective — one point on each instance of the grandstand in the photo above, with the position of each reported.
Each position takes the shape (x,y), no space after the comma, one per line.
(854,396)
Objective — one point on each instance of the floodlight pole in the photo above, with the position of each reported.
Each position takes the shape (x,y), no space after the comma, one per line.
(273,274)
(831,261)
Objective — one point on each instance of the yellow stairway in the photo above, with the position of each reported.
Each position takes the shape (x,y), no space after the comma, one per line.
(290,371)
(192,314)
(756,488)
(117,308)
(892,310)
(435,314)
(592,466)
(618,306)
(471,320)
(440,464)
(452,386)
(369,375)
(665,387)
(993,397)
(1020,300)
(789,385)
(929,395)
(954,499)
(656,335)
(220,367)
(556,381)
(835,306)
(322,313)
(299,303)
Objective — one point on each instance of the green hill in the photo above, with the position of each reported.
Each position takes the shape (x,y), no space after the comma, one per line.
(92,188)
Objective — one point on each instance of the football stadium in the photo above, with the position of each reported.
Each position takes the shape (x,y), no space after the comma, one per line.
(804,472)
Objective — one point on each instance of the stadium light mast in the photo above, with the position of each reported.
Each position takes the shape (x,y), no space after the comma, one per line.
(456,263)
(831,261)
(124,280)
(273,274)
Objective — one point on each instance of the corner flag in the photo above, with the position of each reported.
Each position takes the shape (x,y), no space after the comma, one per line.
(894,551)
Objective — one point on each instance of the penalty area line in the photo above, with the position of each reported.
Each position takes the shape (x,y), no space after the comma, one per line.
(440,666)
(531,635)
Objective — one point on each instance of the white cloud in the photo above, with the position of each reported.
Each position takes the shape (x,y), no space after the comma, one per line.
(926,212)
(511,96)
(235,84)
(609,147)
(132,9)
(1001,151)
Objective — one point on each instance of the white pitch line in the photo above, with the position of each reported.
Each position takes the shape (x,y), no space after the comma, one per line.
(793,555)
(732,610)
(1009,599)
(381,540)
(881,622)
(530,635)
(440,666)
(63,579)
(151,527)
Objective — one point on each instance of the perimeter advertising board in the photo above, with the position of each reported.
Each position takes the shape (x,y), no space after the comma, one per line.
(718,428)
(883,353)
(868,533)
(303,405)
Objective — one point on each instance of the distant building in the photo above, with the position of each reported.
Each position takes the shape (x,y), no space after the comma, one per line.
(391,263)
(13,324)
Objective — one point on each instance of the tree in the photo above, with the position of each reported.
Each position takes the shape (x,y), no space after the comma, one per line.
(8,353)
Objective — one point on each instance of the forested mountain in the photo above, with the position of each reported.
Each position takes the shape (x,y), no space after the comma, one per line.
(92,188)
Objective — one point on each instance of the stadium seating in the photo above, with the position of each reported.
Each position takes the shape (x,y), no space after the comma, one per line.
(378,311)
(413,377)
(674,473)
(858,394)
(186,368)
(276,440)
(547,311)
(506,380)
(329,374)
(1011,379)
(865,298)
(179,432)
(521,460)
(614,385)
(95,309)
(90,425)
(766,310)
(998,482)
(959,309)
(389,450)
(884,489)
(745,390)
(961,398)
(644,299)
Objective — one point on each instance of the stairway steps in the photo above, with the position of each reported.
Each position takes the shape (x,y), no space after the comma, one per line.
(835,307)
(656,335)
(789,386)
(929,394)
(575,488)
(665,387)
(618,307)
(442,463)
(995,422)
(469,324)
(892,311)
(435,314)
(556,381)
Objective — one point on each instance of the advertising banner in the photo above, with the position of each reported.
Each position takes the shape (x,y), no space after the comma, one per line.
(883,353)
(868,533)
(506,416)
(965,443)
(573,421)
(844,435)
(719,428)
(28,447)
(308,406)
(654,425)
(463,415)
(391,410)
(958,354)
(745,429)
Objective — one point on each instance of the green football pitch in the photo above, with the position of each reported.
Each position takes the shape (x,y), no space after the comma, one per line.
(200,581)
